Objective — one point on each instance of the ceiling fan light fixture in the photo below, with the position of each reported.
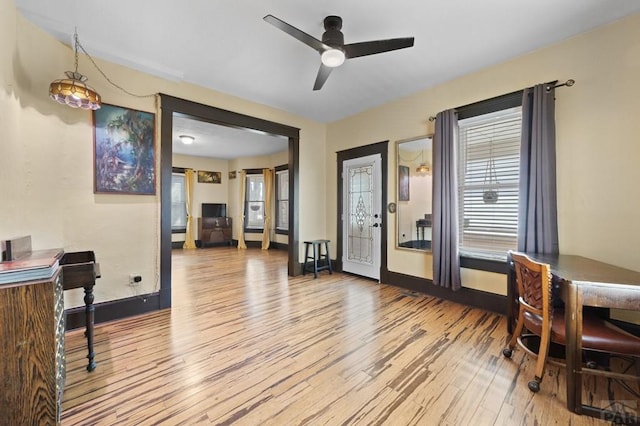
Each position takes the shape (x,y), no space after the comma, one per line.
(333,57)
(186,139)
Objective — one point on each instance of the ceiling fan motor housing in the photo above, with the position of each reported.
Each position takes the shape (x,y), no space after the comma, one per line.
(333,36)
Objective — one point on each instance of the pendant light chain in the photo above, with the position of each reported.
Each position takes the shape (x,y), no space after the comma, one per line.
(79,45)
(75,39)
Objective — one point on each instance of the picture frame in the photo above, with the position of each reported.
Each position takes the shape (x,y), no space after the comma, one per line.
(124,157)
(209,177)
(403,183)
(232,174)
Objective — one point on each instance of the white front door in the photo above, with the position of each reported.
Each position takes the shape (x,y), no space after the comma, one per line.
(362,215)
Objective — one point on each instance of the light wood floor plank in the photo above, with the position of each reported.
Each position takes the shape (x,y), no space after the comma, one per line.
(245,344)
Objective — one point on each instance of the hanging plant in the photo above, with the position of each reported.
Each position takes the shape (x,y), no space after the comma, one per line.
(490,194)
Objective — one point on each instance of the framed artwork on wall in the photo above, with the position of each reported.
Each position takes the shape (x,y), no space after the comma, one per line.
(209,177)
(123,151)
(403,183)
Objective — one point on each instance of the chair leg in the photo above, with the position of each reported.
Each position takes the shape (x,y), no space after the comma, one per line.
(543,351)
(508,351)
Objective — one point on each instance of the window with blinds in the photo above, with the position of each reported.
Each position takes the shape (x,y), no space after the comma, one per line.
(282,200)
(254,202)
(488,175)
(178,206)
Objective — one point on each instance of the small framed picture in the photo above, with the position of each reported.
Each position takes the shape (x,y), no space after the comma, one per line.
(209,177)
(232,174)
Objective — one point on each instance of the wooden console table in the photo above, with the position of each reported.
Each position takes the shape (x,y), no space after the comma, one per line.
(81,270)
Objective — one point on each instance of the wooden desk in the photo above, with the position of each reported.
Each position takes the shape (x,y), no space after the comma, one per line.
(587,282)
(32,362)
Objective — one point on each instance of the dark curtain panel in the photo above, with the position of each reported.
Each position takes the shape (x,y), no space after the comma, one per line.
(446,261)
(537,207)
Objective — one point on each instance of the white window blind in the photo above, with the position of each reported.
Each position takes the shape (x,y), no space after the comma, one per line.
(488,175)
(282,201)
(254,211)
(178,207)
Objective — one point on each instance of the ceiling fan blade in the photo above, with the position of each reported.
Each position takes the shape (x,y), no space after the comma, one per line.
(323,74)
(296,33)
(365,48)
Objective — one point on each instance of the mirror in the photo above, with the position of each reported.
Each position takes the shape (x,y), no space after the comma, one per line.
(414,193)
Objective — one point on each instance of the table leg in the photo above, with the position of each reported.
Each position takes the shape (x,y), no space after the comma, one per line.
(328,256)
(577,370)
(316,247)
(89,316)
(573,320)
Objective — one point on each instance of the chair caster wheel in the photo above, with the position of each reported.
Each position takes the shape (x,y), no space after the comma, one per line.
(534,386)
(507,352)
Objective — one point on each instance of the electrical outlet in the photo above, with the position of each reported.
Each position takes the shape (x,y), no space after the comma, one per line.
(135,280)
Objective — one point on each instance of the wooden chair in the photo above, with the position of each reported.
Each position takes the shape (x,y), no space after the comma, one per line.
(537,314)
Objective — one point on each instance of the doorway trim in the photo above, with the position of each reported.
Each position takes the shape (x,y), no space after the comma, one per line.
(171,105)
(381,148)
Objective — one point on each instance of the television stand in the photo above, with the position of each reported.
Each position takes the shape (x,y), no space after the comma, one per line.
(214,231)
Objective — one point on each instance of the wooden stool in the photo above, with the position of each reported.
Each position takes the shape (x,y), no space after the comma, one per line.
(317,255)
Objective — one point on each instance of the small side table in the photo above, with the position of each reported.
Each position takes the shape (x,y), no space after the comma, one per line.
(317,255)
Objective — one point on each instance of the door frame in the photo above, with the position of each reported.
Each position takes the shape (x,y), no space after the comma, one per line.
(171,105)
(381,148)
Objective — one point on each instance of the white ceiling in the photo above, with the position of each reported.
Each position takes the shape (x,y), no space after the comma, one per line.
(226,45)
(212,140)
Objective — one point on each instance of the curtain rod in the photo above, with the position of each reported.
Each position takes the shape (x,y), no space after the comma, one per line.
(567,83)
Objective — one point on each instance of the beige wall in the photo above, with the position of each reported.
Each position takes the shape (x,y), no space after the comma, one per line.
(598,146)
(46,171)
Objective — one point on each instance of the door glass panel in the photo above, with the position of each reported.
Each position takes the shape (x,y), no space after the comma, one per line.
(360,198)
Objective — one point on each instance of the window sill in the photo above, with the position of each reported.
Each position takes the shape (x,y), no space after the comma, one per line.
(282,232)
(253,231)
(178,230)
(484,262)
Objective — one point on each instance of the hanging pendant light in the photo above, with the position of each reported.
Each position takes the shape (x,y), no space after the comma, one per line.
(423,168)
(490,194)
(73,91)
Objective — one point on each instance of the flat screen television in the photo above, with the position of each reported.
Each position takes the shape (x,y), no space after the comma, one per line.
(214,210)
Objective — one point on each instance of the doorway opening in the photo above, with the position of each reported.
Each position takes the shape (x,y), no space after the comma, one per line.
(171,106)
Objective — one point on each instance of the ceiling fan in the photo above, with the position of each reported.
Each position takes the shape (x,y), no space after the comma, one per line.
(333,51)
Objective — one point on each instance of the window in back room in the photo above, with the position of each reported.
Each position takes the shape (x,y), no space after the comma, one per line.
(178,206)
(254,203)
(282,201)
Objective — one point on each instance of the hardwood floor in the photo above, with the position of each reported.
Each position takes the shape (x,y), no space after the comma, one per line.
(245,344)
